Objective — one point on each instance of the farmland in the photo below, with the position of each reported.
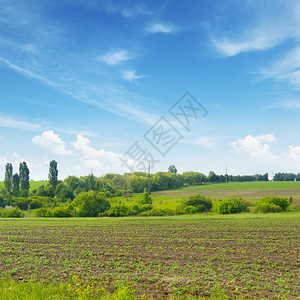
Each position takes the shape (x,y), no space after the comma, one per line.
(247,255)
(245,190)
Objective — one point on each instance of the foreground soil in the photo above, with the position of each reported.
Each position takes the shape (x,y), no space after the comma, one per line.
(204,256)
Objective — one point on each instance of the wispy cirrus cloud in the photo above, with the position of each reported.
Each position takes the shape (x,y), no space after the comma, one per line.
(10,122)
(160,28)
(285,69)
(266,29)
(27,72)
(115,58)
(286,105)
(130,75)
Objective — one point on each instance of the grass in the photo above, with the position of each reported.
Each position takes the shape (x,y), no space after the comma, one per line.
(248,185)
(182,257)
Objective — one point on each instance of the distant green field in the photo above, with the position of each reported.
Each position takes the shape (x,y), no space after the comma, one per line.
(248,185)
(33,184)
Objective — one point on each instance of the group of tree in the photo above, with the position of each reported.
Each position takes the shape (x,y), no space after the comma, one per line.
(17,184)
(286,177)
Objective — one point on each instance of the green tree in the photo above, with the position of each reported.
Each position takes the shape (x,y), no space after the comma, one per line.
(24,176)
(147,199)
(16,184)
(172,169)
(53,174)
(90,204)
(8,181)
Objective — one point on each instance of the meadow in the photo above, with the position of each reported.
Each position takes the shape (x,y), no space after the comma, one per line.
(209,256)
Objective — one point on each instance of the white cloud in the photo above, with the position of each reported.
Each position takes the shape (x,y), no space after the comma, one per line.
(254,146)
(10,122)
(229,47)
(160,28)
(115,58)
(82,144)
(92,163)
(3,161)
(286,69)
(51,141)
(131,75)
(294,152)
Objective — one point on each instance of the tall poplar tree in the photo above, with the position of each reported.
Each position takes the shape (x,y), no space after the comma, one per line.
(24,176)
(8,181)
(53,174)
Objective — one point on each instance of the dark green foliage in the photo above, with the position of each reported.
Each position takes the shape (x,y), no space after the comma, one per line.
(33,202)
(2,201)
(90,204)
(11,213)
(8,180)
(53,174)
(24,193)
(16,185)
(285,177)
(172,169)
(232,206)
(63,193)
(200,202)
(273,204)
(24,176)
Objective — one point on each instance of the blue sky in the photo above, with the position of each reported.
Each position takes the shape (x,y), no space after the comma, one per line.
(82,81)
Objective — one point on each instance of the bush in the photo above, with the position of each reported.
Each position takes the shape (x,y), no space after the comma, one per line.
(90,204)
(159,212)
(11,213)
(232,206)
(60,212)
(43,212)
(119,211)
(191,209)
(199,202)
(273,204)
(145,207)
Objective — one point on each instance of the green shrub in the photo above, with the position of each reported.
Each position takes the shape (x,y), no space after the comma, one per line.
(200,202)
(232,206)
(145,207)
(60,212)
(191,209)
(11,213)
(159,212)
(119,211)
(43,212)
(90,204)
(273,204)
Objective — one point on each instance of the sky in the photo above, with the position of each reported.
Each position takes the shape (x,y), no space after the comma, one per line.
(115,86)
